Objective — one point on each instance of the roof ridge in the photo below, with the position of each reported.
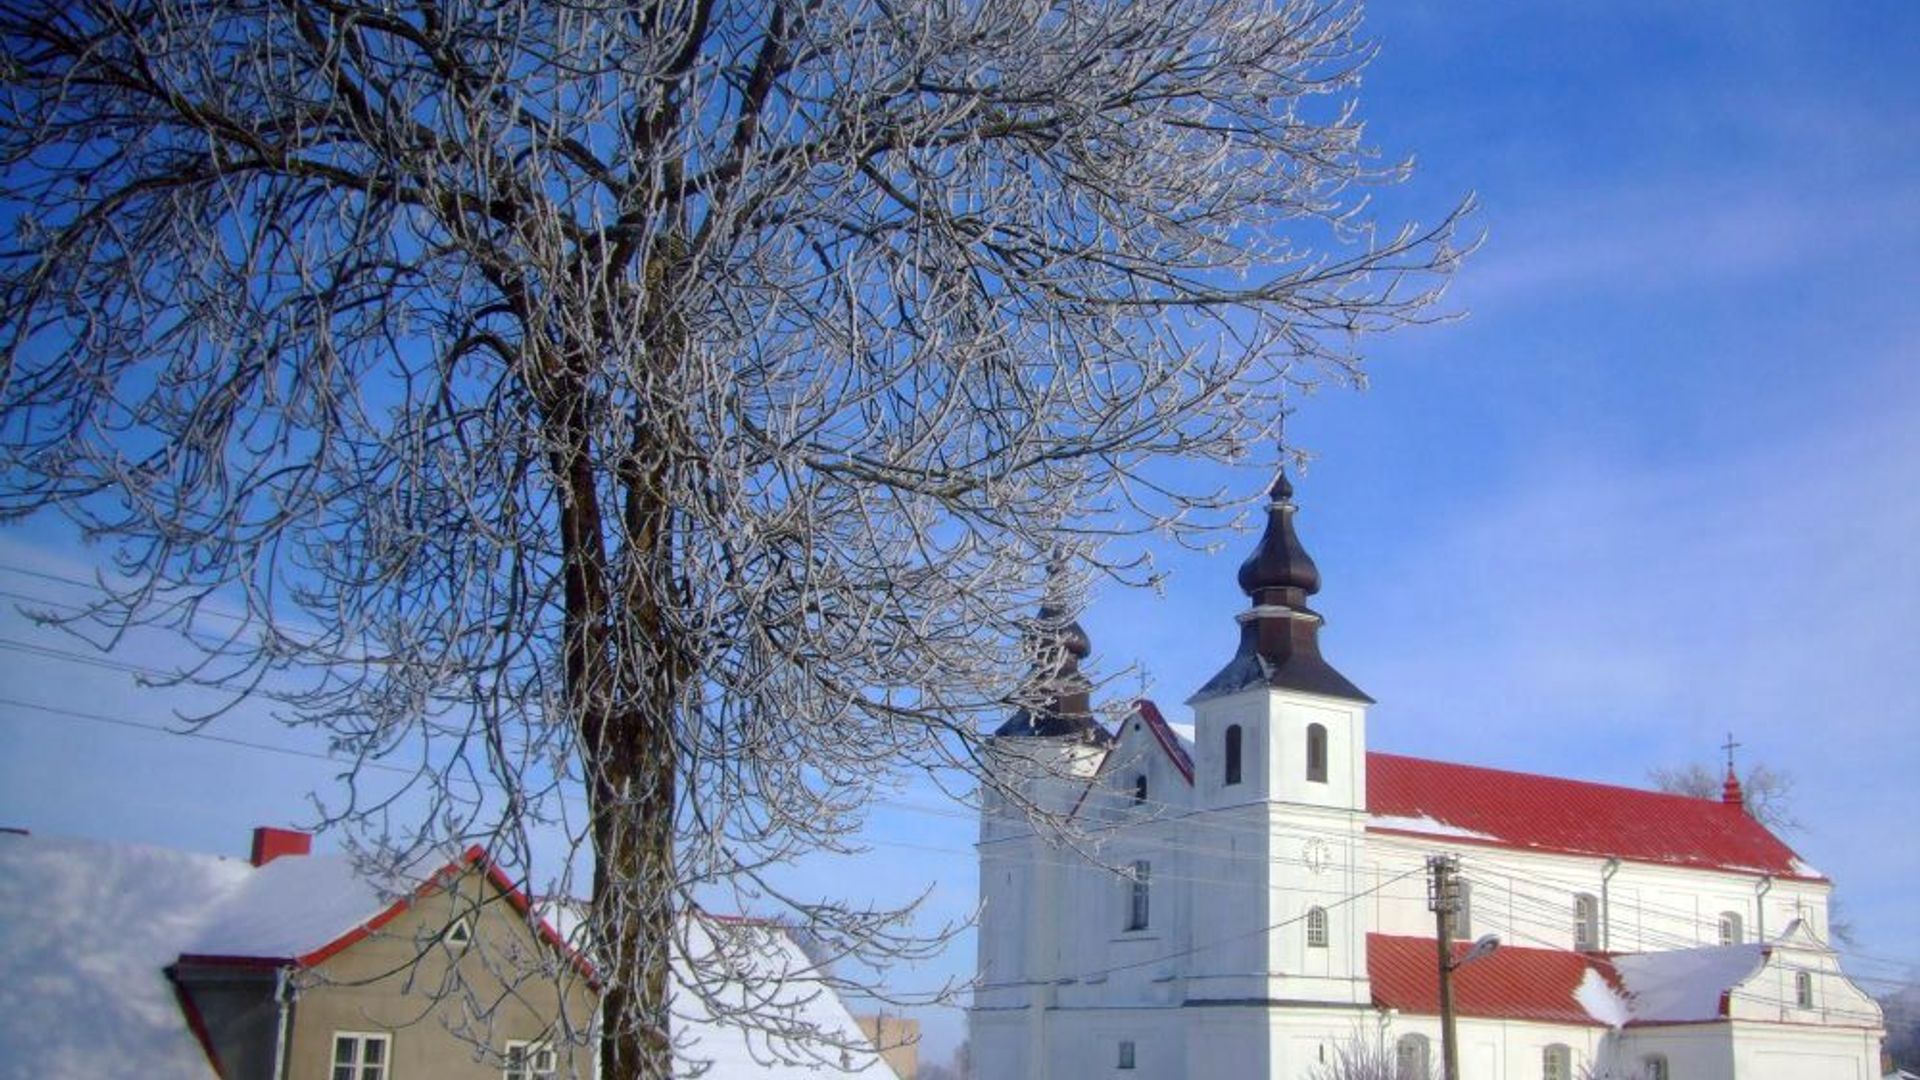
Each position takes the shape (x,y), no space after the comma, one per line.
(1654,792)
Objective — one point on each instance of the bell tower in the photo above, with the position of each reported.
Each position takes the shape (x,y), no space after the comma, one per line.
(1280,763)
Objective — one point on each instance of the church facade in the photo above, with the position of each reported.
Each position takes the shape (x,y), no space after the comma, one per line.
(1250,893)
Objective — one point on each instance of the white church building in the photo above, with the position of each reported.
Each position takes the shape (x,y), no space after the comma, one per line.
(1246,895)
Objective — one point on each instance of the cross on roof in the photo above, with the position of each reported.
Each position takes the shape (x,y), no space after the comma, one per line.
(1730,746)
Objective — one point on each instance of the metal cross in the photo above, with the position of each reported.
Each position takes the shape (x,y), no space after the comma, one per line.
(1730,746)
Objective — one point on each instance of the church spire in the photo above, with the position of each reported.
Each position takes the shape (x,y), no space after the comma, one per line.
(1279,633)
(1057,643)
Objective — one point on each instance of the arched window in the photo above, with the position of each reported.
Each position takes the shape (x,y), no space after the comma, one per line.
(1803,990)
(1317,753)
(1586,922)
(1412,1058)
(1732,932)
(1556,1063)
(1140,788)
(1233,753)
(1462,922)
(1316,928)
(1656,1067)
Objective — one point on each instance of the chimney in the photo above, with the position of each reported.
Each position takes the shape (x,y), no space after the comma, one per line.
(270,843)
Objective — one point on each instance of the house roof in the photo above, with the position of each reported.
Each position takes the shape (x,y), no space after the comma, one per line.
(1472,804)
(1510,983)
(303,910)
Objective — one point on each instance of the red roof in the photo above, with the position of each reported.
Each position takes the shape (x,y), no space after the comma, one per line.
(1508,984)
(1548,813)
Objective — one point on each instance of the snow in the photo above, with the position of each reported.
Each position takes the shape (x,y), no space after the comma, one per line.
(1804,869)
(1426,825)
(1601,1001)
(295,906)
(89,929)
(800,1022)
(1686,984)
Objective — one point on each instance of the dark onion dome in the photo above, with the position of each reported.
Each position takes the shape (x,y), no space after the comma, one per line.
(1280,562)
(1058,643)
(1280,634)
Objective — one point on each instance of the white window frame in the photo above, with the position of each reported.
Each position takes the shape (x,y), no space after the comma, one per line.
(1317,934)
(1656,1067)
(1556,1062)
(1803,989)
(1733,929)
(529,1065)
(1140,896)
(1586,922)
(458,934)
(357,1066)
(1128,1054)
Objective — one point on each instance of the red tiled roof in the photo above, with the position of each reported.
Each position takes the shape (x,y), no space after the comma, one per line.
(1508,984)
(1167,739)
(1548,813)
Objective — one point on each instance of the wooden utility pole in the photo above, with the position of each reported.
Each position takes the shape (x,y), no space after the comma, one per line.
(1443,899)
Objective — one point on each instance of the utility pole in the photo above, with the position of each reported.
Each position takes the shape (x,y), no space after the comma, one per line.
(1443,899)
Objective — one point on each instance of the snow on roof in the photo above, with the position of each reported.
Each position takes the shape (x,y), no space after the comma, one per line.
(1685,984)
(1424,824)
(89,929)
(289,908)
(755,966)
(798,1019)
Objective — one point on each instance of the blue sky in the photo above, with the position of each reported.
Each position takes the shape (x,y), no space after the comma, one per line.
(1663,482)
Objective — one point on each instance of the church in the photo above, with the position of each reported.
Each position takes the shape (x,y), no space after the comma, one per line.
(1249,891)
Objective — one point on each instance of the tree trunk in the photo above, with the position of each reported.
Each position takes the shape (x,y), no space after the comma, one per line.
(626,744)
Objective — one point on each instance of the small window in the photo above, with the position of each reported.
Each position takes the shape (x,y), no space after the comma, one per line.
(1803,989)
(1126,1053)
(1412,1058)
(1140,789)
(1655,1067)
(1556,1063)
(1233,753)
(360,1055)
(458,936)
(1317,753)
(1316,928)
(1732,932)
(1137,895)
(530,1061)
(1461,925)
(1586,922)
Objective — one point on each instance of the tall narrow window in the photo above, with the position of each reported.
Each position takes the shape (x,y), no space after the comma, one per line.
(1317,753)
(1233,753)
(1126,1053)
(1803,990)
(1138,894)
(1316,928)
(1412,1058)
(1732,931)
(1586,922)
(1462,921)
(1556,1063)
(1656,1067)
(1140,788)
(360,1055)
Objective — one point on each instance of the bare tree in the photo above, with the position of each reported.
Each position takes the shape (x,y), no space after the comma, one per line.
(665,405)
(1766,793)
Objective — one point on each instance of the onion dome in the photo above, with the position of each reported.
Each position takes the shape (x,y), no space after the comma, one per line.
(1279,633)
(1057,643)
